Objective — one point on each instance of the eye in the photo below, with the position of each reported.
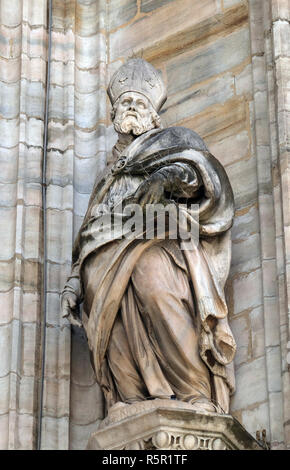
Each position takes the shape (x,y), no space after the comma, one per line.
(141,104)
(125,102)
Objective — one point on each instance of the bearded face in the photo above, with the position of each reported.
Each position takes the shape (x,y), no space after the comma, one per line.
(133,113)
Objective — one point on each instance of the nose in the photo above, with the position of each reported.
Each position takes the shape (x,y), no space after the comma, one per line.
(132,106)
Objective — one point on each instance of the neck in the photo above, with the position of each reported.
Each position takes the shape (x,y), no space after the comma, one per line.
(123,141)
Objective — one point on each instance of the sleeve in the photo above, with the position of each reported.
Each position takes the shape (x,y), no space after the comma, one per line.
(73,283)
(181,180)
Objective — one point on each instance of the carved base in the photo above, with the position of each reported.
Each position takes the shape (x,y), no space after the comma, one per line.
(169,425)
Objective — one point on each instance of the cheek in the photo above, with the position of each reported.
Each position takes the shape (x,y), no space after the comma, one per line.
(144,113)
(120,111)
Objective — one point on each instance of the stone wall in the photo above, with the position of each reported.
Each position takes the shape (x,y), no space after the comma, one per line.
(22,96)
(226,65)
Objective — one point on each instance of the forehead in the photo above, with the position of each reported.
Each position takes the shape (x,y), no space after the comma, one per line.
(133,95)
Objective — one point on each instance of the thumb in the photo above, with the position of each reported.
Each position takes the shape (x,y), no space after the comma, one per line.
(72,301)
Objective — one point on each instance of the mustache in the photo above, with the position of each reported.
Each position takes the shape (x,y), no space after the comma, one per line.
(131,113)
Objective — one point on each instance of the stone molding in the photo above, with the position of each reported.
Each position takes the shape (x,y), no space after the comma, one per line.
(169,425)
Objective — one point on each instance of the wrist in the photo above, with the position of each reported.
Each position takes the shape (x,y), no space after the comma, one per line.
(73,286)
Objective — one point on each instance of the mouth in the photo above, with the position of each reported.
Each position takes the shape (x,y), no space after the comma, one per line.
(128,113)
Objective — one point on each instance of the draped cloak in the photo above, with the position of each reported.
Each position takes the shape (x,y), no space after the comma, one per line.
(208,263)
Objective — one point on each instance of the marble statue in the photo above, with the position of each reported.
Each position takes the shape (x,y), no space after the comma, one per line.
(155,314)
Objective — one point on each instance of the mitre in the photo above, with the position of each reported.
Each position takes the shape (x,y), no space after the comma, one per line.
(139,76)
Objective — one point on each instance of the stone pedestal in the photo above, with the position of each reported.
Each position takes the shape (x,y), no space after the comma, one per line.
(169,425)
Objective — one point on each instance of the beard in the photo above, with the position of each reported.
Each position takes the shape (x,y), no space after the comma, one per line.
(133,123)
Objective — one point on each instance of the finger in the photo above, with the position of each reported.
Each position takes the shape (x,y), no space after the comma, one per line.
(144,200)
(138,196)
(75,321)
(72,302)
(152,199)
(141,191)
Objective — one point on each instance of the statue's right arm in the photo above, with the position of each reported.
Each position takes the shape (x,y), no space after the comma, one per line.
(71,298)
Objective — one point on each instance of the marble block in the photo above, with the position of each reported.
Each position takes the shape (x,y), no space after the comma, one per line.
(169,425)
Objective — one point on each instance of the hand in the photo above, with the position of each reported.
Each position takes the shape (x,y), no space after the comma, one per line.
(150,191)
(70,308)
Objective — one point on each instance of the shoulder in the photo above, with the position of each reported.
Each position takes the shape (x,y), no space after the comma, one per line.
(183,137)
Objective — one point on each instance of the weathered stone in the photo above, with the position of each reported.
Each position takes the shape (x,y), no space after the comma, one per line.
(57,221)
(63,14)
(5,340)
(123,11)
(31,131)
(256,388)
(143,33)
(10,12)
(10,70)
(150,5)
(91,404)
(60,135)
(7,232)
(62,73)
(89,81)
(246,223)
(276,417)
(82,373)
(282,38)
(61,101)
(241,330)
(273,359)
(87,17)
(29,342)
(32,223)
(85,175)
(56,276)
(89,109)
(226,53)
(34,12)
(81,203)
(9,107)
(257,331)
(57,349)
(217,118)
(230,148)
(6,306)
(167,425)
(79,434)
(55,433)
(245,257)
(55,394)
(4,437)
(60,167)
(9,133)
(23,424)
(90,50)
(181,105)
(256,419)
(10,43)
(243,178)
(247,291)
(89,143)
(62,46)
(60,197)
(26,396)
(230,3)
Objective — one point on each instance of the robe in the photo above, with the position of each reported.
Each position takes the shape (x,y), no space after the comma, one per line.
(169,337)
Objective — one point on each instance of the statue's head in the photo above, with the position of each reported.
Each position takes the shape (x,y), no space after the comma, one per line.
(137,92)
